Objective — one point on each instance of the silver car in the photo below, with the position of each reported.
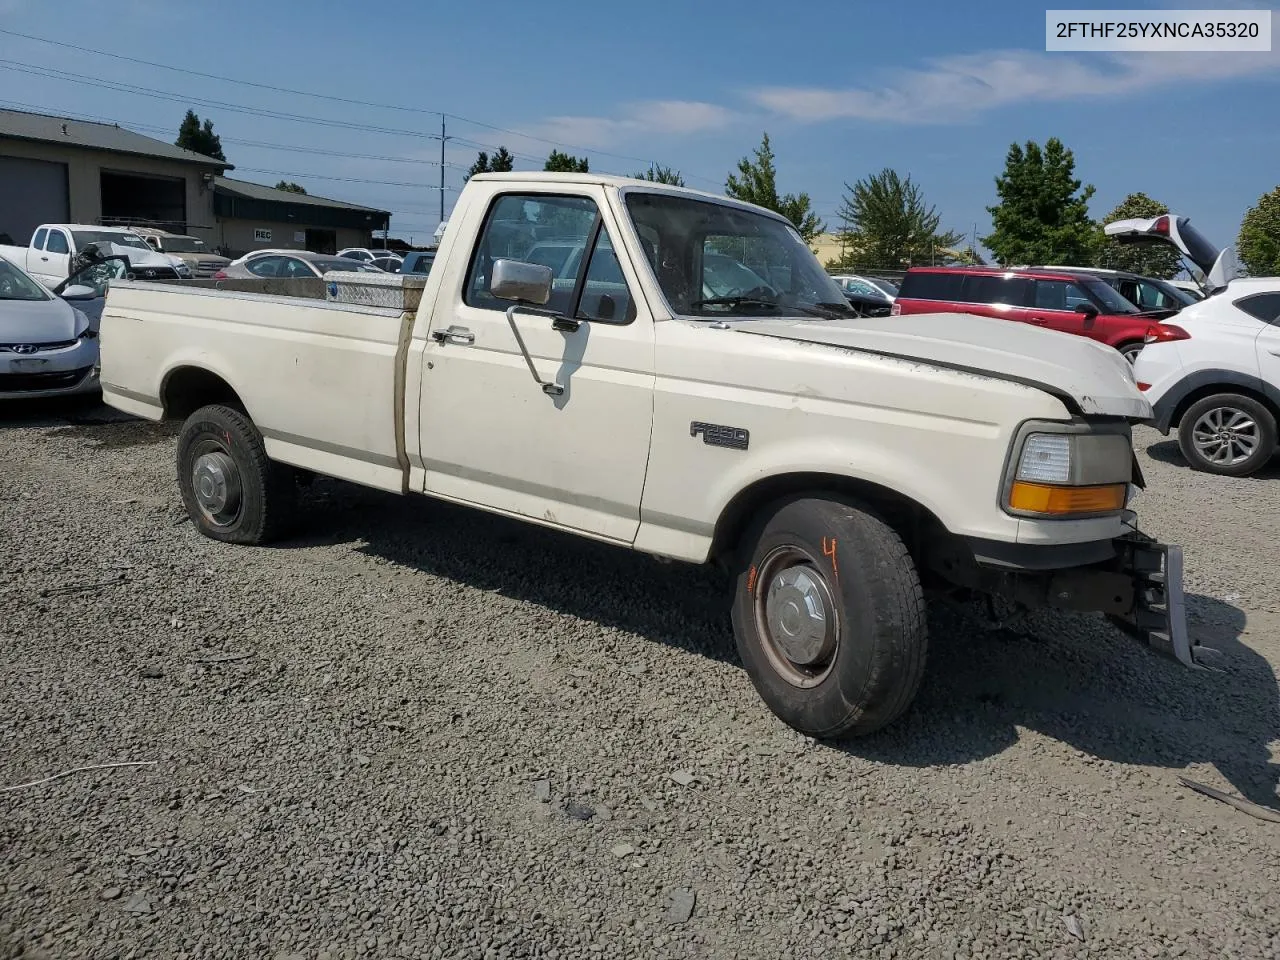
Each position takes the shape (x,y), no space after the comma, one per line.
(48,341)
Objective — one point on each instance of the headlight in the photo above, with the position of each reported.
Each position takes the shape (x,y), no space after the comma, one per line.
(1069,471)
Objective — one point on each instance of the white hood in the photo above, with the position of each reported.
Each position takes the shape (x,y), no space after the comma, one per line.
(1093,376)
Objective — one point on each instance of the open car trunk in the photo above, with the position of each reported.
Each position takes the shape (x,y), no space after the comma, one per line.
(1218,266)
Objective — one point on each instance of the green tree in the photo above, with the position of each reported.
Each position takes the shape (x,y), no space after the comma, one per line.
(888,225)
(757,182)
(500,162)
(480,166)
(199,137)
(288,186)
(660,174)
(559,162)
(1258,245)
(1148,259)
(1043,214)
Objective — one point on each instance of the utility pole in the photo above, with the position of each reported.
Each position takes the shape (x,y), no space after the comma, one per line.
(443,138)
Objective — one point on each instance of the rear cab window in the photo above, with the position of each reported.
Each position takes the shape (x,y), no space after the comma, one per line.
(564,233)
(37,242)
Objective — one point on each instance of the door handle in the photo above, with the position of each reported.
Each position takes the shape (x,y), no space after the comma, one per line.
(1039,321)
(45,259)
(452,334)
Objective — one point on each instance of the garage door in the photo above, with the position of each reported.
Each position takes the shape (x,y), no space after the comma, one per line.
(32,192)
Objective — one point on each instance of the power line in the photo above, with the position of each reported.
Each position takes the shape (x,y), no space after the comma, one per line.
(67,76)
(321,176)
(319,96)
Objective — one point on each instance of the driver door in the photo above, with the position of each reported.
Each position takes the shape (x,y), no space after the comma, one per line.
(53,262)
(1057,306)
(490,435)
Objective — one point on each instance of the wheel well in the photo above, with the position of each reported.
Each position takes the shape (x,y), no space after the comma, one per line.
(1209,390)
(187,389)
(916,525)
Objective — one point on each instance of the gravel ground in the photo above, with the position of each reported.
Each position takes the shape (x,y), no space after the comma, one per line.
(423,732)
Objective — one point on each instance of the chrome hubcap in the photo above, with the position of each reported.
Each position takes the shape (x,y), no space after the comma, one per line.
(217,486)
(796,617)
(1225,436)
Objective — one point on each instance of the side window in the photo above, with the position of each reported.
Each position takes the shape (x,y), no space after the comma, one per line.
(57,242)
(605,296)
(264,267)
(293,268)
(980,288)
(37,242)
(1145,295)
(932,286)
(1261,306)
(538,228)
(1059,295)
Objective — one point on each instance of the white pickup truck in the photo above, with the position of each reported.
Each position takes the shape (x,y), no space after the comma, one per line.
(53,253)
(837,466)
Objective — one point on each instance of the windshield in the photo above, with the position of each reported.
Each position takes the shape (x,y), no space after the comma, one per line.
(183,245)
(86,237)
(16,285)
(884,285)
(1105,294)
(715,260)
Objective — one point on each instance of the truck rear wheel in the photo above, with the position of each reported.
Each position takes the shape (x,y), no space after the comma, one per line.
(232,491)
(829,617)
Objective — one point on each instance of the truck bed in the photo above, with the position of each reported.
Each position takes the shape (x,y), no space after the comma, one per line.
(325,389)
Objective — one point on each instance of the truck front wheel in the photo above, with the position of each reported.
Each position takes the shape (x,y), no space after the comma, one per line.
(232,491)
(829,617)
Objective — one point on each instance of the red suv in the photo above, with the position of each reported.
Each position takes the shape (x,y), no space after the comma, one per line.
(1059,300)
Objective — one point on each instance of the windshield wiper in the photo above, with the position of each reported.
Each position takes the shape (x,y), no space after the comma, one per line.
(829,310)
(734,302)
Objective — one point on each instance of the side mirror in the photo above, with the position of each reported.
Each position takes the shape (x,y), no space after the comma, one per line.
(1088,309)
(522,282)
(79,292)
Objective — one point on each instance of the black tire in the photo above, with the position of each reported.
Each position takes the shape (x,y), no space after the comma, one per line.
(1254,429)
(259,495)
(866,676)
(1130,351)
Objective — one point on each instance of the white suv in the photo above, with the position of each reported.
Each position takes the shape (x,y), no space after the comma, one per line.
(1219,386)
(1218,380)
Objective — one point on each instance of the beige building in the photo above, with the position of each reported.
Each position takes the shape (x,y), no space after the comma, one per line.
(60,170)
(57,170)
(250,217)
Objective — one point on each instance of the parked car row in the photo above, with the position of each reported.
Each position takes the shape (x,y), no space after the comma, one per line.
(290,264)
(57,250)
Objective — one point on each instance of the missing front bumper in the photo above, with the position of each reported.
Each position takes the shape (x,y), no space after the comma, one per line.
(1159,614)
(1138,587)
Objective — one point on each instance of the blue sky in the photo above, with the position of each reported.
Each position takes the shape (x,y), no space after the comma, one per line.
(938,91)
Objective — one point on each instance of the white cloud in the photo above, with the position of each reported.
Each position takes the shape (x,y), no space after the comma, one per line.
(957,88)
(636,119)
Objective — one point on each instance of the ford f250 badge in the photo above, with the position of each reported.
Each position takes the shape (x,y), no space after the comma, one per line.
(716,435)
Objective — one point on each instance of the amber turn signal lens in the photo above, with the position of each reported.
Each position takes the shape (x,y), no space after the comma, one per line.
(1064,501)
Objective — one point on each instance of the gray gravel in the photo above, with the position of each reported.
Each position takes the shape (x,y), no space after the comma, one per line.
(422,732)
